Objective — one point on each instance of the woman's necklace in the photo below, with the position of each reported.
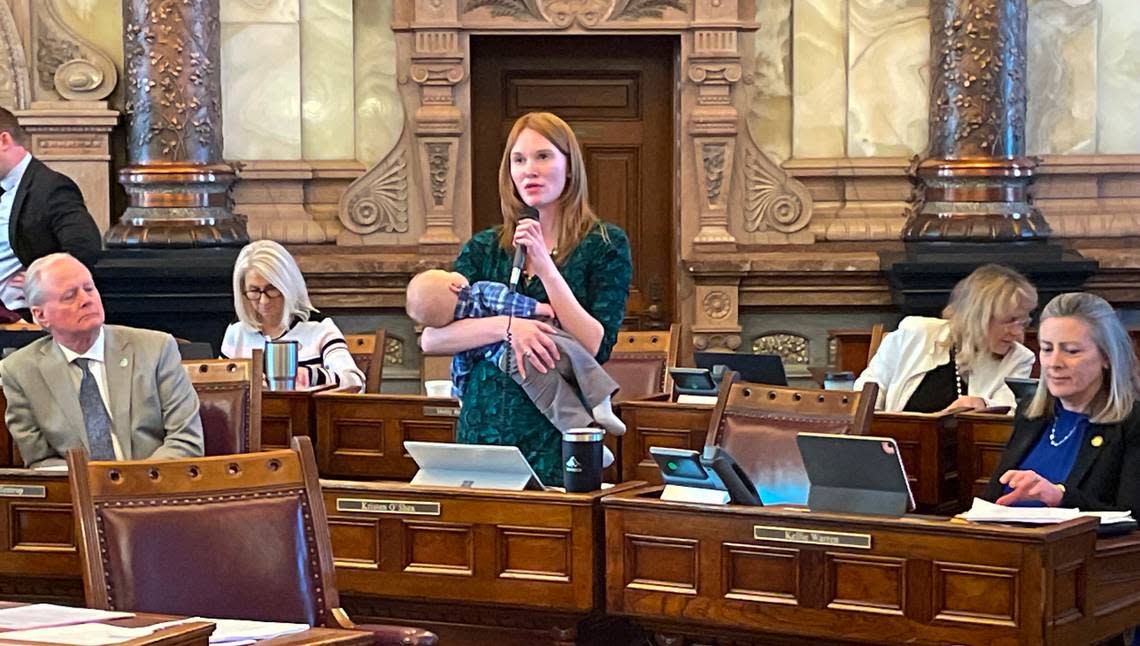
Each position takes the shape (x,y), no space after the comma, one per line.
(1053,433)
(957,374)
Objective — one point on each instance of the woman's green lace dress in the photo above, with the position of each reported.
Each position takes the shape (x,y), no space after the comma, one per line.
(495,409)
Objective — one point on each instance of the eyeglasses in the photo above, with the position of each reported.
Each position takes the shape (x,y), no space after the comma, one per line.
(254,294)
(1016,323)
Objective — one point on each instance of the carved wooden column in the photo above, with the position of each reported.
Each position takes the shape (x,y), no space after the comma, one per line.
(976,172)
(714,66)
(177,183)
(437,66)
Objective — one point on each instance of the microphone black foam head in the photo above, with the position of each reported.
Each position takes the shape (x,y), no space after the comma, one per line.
(528,213)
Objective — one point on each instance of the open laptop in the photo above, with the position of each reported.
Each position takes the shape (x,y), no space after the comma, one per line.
(472,466)
(855,474)
(755,368)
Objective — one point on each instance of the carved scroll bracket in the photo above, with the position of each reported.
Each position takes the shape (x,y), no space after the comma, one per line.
(67,66)
(377,202)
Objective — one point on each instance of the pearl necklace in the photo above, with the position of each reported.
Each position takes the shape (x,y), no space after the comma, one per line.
(1053,434)
(957,374)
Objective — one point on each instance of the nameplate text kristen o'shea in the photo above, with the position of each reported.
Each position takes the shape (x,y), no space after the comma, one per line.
(22,491)
(398,507)
(811,537)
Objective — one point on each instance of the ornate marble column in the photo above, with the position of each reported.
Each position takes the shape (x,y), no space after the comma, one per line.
(975,174)
(176,181)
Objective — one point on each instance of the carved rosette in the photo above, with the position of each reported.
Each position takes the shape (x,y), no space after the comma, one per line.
(176,183)
(68,66)
(976,175)
(715,321)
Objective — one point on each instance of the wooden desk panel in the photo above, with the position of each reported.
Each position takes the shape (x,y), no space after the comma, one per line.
(362,436)
(983,441)
(929,448)
(286,414)
(658,423)
(681,569)
(851,348)
(39,558)
(523,561)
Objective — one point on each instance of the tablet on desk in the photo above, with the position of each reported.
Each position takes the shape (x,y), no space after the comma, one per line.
(472,466)
(857,474)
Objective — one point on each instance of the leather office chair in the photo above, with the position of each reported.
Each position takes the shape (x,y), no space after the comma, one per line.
(229,397)
(238,536)
(757,425)
(368,352)
(640,362)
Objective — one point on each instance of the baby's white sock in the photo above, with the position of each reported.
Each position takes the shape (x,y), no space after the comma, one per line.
(604,415)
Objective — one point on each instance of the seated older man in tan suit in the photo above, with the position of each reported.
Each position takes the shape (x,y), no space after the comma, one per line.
(119,391)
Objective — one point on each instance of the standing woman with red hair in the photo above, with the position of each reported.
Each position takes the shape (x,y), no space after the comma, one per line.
(575,262)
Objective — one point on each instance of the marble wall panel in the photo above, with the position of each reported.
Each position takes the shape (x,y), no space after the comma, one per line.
(261,90)
(819,78)
(888,77)
(1062,77)
(1118,74)
(327,105)
(286,11)
(379,112)
(100,22)
(770,112)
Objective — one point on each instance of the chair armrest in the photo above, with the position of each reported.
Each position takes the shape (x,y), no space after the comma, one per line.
(399,635)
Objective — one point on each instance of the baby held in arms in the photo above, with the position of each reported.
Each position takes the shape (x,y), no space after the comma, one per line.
(575,394)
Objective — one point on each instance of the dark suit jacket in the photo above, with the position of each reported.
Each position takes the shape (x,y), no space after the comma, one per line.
(48,215)
(1103,478)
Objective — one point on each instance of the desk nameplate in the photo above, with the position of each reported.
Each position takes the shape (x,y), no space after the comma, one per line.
(397,507)
(22,491)
(441,411)
(811,537)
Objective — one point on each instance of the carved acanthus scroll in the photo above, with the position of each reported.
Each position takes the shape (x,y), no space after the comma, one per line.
(772,198)
(68,66)
(378,201)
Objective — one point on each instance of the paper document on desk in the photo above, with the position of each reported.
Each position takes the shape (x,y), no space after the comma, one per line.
(233,632)
(93,634)
(983,511)
(42,615)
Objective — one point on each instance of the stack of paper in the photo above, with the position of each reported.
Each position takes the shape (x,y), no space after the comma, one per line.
(40,615)
(234,632)
(982,511)
(93,634)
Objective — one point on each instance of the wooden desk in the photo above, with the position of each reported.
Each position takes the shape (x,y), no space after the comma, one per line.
(39,557)
(659,423)
(983,441)
(929,448)
(680,569)
(851,348)
(362,436)
(198,633)
(474,566)
(286,414)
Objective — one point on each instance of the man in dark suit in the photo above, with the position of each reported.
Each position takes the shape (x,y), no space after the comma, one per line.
(120,392)
(41,212)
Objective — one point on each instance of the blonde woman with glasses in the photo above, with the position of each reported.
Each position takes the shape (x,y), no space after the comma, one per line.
(1077,442)
(273,304)
(962,359)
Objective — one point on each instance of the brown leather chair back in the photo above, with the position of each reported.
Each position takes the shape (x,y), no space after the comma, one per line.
(368,352)
(640,362)
(757,425)
(229,398)
(238,536)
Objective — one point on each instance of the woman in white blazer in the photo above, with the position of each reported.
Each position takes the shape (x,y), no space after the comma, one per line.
(962,359)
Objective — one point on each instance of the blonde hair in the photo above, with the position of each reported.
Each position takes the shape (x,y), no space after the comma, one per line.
(577,217)
(430,301)
(277,266)
(990,292)
(1122,380)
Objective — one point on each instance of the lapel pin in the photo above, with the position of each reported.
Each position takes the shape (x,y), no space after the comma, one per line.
(1097,440)
(123,362)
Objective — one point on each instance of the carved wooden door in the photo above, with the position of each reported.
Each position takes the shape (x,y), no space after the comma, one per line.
(617,94)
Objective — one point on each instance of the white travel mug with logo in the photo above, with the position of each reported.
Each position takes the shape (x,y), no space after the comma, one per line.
(582,459)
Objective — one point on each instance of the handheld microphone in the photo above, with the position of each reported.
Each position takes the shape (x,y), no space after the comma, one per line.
(526,213)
